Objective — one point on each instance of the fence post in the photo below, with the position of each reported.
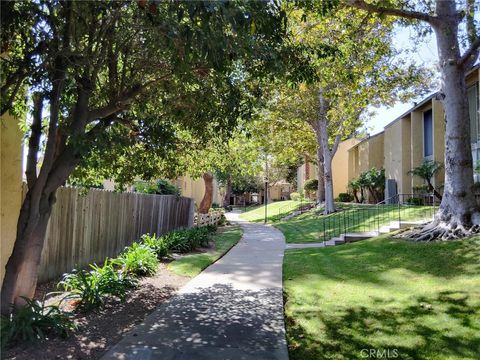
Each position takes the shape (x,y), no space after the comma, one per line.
(344,223)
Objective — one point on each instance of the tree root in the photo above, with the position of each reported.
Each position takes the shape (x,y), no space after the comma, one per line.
(440,230)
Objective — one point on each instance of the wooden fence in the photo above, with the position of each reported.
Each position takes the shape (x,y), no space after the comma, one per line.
(87,228)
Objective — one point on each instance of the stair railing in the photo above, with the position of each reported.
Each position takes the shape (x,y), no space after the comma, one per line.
(371,218)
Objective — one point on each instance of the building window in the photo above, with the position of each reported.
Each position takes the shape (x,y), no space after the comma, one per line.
(472,94)
(473,110)
(427,134)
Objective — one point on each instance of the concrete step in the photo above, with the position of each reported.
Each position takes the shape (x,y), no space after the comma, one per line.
(409,224)
(304,246)
(385,229)
(352,237)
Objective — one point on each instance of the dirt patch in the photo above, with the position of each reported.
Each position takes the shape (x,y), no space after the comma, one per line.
(103,328)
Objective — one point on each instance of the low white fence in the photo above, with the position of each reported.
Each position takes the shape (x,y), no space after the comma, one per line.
(212,218)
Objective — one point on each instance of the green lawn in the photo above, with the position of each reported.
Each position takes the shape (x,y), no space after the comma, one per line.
(275,211)
(418,300)
(192,265)
(309,227)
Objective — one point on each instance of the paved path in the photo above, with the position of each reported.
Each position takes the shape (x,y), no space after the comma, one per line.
(232,310)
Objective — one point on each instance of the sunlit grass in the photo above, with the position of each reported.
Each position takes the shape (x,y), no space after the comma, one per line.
(275,210)
(309,227)
(422,299)
(192,265)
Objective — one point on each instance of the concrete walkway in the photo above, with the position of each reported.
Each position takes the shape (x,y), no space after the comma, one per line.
(232,310)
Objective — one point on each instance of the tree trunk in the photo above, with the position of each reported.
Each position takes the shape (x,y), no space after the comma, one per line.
(328,154)
(206,202)
(458,202)
(355,195)
(320,175)
(228,192)
(21,271)
(329,200)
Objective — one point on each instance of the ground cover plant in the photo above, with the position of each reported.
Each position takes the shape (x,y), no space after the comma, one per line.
(420,301)
(309,227)
(138,260)
(34,321)
(192,265)
(92,288)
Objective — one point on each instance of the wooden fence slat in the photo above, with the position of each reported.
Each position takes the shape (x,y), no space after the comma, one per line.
(87,228)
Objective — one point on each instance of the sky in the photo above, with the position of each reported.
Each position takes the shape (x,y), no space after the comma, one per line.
(426,54)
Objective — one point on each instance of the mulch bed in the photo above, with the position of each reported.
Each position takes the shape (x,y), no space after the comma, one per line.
(100,329)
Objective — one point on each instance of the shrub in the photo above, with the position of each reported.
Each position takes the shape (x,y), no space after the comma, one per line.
(92,287)
(138,260)
(295,196)
(157,244)
(223,220)
(414,201)
(177,241)
(34,321)
(345,197)
(310,185)
(160,187)
(211,228)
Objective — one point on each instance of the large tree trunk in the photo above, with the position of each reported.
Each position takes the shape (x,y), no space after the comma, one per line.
(329,200)
(21,271)
(322,139)
(228,192)
(458,214)
(206,202)
(320,175)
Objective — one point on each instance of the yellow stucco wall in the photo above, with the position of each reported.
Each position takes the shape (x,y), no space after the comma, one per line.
(438,139)
(10,185)
(375,151)
(195,189)
(397,151)
(340,168)
(417,154)
(343,167)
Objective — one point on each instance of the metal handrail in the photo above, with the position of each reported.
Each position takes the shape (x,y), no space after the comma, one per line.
(373,217)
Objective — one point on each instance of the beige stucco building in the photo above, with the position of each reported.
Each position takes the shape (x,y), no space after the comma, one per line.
(341,169)
(11,169)
(415,136)
(195,189)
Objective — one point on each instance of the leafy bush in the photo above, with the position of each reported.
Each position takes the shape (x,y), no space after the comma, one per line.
(159,187)
(311,185)
(92,287)
(184,241)
(138,260)
(345,197)
(414,201)
(211,228)
(295,196)
(34,321)
(157,244)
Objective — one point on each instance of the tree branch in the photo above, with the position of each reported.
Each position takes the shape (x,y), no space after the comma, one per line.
(471,54)
(407,14)
(34,140)
(122,102)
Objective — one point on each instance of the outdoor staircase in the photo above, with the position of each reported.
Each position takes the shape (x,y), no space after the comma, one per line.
(354,237)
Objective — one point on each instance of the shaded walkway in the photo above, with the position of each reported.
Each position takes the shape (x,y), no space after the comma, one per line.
(232,310)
